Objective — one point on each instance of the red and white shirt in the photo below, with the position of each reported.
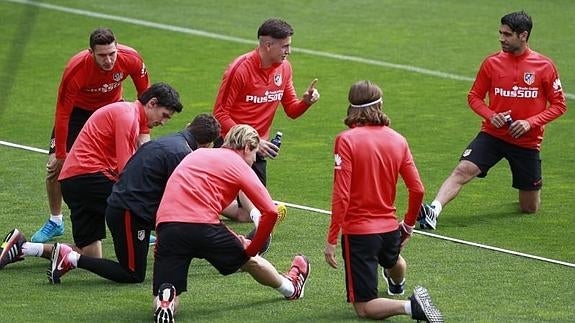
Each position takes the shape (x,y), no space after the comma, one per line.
(528,85)
(107,141)
(87,86)
(250,94)
(368,163)
(207,181)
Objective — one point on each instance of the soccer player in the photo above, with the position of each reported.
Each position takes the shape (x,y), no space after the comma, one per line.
(253,86)
(369,158)
(188,223)
(102,149)
(92,79)
(524,94)
(132,205)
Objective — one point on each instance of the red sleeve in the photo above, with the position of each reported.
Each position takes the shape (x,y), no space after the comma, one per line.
(293,106)
(414,186)
(139,74)
(555,97)
(232,84)
(480,88)
(341,186)
(125,137)
(262,200)
(67,94)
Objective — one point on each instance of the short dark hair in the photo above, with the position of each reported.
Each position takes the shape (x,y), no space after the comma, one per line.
(205,128)
(166,95)
(275,28)
(101,36)
(519,22)
(365,108)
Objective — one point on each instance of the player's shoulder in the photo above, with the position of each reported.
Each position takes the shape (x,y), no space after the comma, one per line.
(128,53)
(79,59)
(534,55)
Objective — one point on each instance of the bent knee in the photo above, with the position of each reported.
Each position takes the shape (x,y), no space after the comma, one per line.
(138,278)
(360,310)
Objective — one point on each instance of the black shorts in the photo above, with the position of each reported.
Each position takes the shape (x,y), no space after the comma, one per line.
(131,235)
(259,165)
(78,118)
(178,243)
(86,197)
(485,151)
(361,255)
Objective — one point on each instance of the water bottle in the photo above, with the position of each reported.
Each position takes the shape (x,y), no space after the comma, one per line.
(508,119)
(277,139)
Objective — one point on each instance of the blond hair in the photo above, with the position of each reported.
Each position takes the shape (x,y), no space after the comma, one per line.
(242,136)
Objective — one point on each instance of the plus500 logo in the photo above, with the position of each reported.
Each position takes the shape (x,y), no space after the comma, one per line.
(517,93)
(267,97)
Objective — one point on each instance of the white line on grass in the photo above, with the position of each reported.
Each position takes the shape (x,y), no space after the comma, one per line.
(469,243)
(201,33)
(9,144)
(206,34)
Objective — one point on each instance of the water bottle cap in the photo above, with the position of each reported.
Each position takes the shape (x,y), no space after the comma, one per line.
(279,133)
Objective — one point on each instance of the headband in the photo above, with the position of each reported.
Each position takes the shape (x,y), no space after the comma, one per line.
(365,105)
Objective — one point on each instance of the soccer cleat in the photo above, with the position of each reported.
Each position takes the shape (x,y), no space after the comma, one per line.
(48,231)
(59,263)
(282,212)
(422,308)
(165,305)
(298,275)
(392,288)
(11,249)
(266,247)
(427,217)
(152,239)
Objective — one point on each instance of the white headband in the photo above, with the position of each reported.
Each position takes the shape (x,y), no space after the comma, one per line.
(365,105)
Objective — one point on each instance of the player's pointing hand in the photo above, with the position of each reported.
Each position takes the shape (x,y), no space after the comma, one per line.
(311,95)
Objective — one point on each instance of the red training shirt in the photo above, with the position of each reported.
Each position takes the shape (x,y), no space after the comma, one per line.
(107,141)
(524,84)
(250,94)
(87,86)
(207,181)
(368,162)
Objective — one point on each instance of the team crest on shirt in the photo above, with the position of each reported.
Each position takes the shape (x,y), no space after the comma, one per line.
(337,158)
(278,79)
(529,78)
(141,235)
(118,76)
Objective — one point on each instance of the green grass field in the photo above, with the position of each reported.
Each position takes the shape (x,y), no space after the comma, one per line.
(424,54)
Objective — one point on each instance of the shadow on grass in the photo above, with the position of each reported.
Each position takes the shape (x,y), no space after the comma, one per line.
(16,51)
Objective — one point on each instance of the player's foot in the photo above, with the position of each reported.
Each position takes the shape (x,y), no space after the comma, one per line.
(59,263)
(266,247)
(422,308)
(165,305)
(392,288)
(427,217)
(48,231)
(282,212)
(152,239)
(11,248)
(298,275)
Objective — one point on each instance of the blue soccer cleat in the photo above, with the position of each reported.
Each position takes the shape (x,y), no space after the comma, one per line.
(48,231)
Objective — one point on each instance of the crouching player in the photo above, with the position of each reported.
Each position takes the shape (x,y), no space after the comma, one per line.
(189,226)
